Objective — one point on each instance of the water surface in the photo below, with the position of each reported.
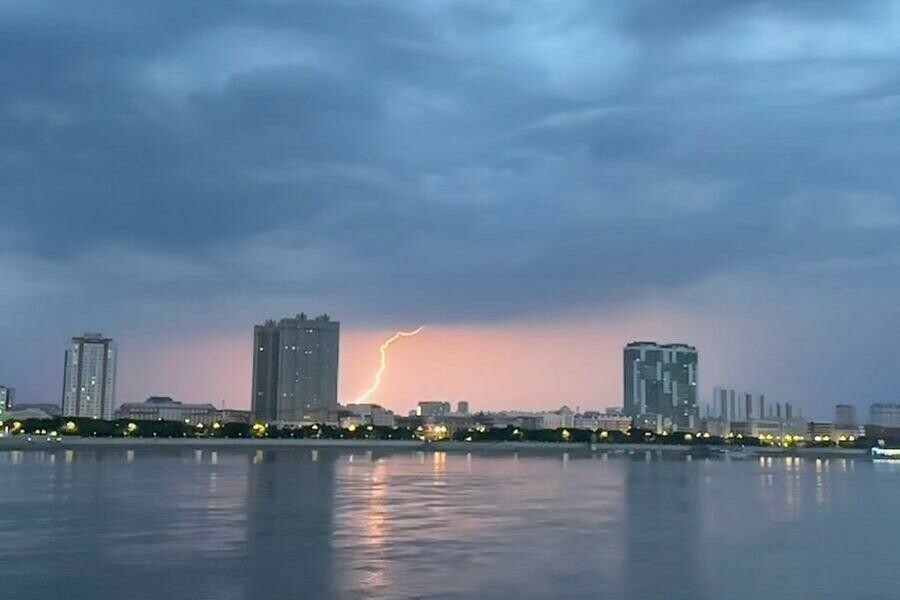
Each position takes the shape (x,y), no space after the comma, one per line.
(172,523)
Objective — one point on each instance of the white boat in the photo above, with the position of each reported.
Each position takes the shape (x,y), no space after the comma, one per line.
(890,453)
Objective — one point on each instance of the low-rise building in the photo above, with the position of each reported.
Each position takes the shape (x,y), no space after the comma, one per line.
(163,408)
(231,415)
(882,432)
(432,408)
(24,414)
(596,421)
(54,410)
(371,414)
(819,430)
(502,419)
(845,434)
(558,419)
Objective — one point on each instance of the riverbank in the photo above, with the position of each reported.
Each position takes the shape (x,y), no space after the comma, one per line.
(24,443)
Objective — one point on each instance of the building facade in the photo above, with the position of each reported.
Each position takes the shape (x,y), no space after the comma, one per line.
(295,370)
(89,378)
(662,379)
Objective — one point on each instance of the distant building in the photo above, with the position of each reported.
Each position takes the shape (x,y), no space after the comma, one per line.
(231,415)
(89,379)
(731,405)
(7,398)
(432,408)
(819,431)
(7,395)
(725,401)
(762,428)
(163,408)
(372,414)
(462,407)
(881,432)
(662,379)
(848,433)
(885,415)
(845,415)
(22,414)
(607,422)
(654,422)
(558,419)
(499,420)
(295,370)
(53,410)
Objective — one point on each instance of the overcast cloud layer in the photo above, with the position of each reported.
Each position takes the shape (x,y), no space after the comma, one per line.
(198,166)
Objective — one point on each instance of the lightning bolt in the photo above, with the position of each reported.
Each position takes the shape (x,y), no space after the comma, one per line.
(380,371)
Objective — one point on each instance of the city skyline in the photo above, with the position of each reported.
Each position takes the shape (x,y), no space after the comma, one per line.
(539,183)
(679,354)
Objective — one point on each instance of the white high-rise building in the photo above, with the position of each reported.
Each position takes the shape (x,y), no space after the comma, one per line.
(7,397)
(90,377)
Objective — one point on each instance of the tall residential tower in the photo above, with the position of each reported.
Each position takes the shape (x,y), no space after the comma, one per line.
(89,379)
(295,370)
(662,379)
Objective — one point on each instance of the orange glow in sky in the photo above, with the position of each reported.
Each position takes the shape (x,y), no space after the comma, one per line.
(528,365)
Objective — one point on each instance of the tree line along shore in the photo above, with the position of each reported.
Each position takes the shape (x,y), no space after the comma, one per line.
(62,427)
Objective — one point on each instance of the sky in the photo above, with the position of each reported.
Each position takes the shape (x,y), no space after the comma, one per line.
(538,182)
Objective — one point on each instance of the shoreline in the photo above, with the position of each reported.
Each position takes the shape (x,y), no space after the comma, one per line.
(22,443)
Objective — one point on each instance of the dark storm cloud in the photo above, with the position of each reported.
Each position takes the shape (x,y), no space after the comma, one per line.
(486,159)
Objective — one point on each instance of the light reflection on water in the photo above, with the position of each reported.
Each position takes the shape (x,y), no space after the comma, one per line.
(299,523)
